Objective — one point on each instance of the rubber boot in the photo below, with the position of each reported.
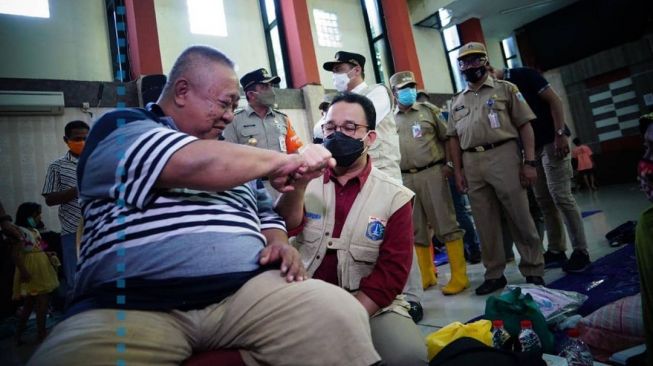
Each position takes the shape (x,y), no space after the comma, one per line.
(459,280)
(426,266)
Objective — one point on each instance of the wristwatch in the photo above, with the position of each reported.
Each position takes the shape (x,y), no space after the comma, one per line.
(560,131)
(450,164)
(532,163)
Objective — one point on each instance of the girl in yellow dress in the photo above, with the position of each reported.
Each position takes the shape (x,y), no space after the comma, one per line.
(35,275)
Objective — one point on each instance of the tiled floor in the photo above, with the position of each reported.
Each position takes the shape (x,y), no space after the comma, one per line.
(618,203)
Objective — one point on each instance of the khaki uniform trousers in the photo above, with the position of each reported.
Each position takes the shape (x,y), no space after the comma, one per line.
(270,321)
(433,205)
(398,340)
(493,181)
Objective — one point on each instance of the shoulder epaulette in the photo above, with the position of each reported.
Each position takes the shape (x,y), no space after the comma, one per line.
(280,112)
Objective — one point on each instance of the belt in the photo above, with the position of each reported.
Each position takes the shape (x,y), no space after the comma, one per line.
(415,170)
(482,148)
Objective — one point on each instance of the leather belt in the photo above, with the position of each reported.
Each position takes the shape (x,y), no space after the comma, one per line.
(482,148)
(416,170)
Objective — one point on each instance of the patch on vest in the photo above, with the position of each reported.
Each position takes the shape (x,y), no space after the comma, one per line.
(375,228)
(312,216)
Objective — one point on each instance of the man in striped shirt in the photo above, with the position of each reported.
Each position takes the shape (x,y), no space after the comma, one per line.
(60,189)
(181,248)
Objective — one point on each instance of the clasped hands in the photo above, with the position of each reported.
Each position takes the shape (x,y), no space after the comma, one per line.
(311,162)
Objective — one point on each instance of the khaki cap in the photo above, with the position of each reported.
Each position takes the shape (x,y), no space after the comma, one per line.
(471,48)
(401,79)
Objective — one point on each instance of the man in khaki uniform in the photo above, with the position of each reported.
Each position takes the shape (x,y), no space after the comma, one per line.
(485,123)
(354,230)
(259,124)
(422,143)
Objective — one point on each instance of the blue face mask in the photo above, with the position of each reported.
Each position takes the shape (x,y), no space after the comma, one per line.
(407,96)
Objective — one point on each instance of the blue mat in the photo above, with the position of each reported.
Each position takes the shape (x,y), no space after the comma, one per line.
(584,214)
(608,279)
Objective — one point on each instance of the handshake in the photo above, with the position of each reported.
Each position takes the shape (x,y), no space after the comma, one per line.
(299,169)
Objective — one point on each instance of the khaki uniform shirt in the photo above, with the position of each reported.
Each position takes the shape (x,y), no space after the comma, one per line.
(470,115)
(248,128)
(422,132)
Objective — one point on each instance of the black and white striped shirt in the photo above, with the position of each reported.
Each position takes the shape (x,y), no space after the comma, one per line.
(62,175)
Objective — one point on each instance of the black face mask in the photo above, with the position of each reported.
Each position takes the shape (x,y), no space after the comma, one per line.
(344,149)
(474,74)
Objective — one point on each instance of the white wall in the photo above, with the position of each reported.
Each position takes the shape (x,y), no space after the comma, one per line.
(493,46)
(245,41)
(432,60)
(72,44)
(28,144)
(354,36)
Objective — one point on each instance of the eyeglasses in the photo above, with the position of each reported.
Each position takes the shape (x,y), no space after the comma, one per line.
(348,128)
(474,62)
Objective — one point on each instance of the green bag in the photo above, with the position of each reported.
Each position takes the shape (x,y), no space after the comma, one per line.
(513,307)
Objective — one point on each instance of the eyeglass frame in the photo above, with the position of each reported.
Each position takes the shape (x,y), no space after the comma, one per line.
(472,62)
(342,128)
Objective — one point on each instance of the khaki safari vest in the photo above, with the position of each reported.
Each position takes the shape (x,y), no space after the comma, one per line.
(362,234)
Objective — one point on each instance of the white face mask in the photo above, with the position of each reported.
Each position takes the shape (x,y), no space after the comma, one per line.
(340,81)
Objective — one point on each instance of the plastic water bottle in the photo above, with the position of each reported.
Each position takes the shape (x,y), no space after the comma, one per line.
(500,336)
(528,339)
(576,351)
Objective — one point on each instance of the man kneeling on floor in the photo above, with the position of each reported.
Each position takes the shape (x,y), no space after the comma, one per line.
(180,242)
(354,229)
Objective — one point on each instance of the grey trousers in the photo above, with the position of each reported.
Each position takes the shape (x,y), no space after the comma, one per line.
(553,194)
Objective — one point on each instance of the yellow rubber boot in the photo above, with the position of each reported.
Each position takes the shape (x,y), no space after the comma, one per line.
(459,280)
(426,266)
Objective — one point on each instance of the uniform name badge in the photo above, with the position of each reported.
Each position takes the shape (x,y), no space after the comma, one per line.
(417,130)
(494,119)
(282,144)
(375,228)
(493,116)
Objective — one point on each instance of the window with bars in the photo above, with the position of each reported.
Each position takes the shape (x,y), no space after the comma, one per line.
(275,41)
(328,32)
(379,45)
(207,17)
(511,52)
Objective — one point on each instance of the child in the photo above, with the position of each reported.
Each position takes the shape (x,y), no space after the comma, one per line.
(35,275)
(585,164)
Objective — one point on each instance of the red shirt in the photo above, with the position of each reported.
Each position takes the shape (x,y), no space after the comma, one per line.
(390,273)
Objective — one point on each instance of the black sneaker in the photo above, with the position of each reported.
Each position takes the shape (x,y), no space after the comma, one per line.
(553,260)
(416,312)
(535,280)
(578,262)
(489,286)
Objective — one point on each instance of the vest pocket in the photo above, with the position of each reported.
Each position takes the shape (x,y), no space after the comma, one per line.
(364,253)
(308,244)
(363,260)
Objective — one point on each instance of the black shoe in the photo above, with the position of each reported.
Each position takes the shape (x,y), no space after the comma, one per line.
(535,280)
(416,312)
(474,257)
(578,262)
(489,286)
(553,260)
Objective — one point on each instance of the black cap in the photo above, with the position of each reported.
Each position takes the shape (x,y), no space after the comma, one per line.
(342,57)
(260,76)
